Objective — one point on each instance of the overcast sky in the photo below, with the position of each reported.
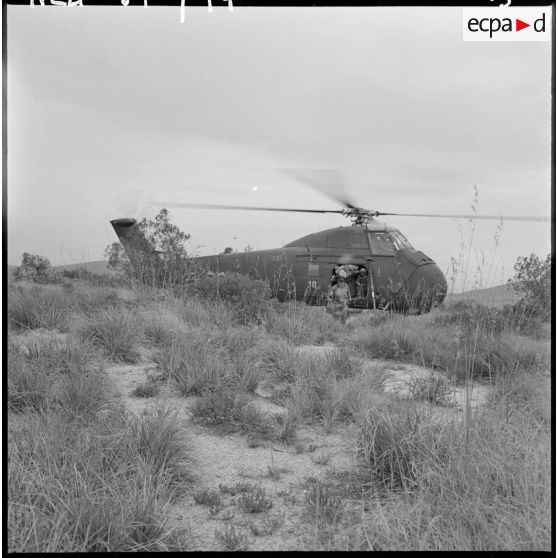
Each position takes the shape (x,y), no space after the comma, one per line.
(109,107)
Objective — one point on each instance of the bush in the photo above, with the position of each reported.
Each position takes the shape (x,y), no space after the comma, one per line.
(255,501)
(432,388)
(146,389)
(532,279)
(232,412)
(37,268)
(232,539)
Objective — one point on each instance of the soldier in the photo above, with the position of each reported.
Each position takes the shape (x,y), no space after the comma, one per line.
(350,272)
(362,282)
(338,299)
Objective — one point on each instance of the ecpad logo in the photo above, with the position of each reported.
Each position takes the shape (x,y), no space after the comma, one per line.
(507,24)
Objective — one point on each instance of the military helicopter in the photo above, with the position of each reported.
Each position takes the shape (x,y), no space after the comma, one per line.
(396,276)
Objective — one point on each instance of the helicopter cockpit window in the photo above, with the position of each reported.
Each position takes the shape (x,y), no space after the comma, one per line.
(380,244)
(399,241)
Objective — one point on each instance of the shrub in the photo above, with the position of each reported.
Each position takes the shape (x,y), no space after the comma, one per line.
(255,501)
(232,411)
(532,279)
(146,389)
(231,539)
(432,388)
(37,268)
(266,528)
(208,497)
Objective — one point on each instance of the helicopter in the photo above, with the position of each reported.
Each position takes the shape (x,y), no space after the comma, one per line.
(396,276)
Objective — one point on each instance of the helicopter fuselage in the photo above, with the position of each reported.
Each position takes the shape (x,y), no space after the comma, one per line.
(397,275)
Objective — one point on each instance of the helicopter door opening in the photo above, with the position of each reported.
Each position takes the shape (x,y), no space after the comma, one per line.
(358,279)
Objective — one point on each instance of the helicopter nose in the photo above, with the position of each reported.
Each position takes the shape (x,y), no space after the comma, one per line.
(427,287)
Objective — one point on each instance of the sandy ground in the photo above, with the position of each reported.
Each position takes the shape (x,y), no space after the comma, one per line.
(279,469)
(227,459)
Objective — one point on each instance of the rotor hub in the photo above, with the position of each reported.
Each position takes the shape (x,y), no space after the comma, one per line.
(359,215)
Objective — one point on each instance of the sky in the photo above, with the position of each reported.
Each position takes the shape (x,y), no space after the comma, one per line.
(110,108)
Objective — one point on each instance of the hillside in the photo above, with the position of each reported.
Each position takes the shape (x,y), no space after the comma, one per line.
(98,267)
(497,296)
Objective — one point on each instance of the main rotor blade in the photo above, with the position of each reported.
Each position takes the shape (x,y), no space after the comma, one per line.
(493,217)
(241,207)
(327,181)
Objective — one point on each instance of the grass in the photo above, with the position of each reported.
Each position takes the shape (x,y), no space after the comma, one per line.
(301,325)
(100,486)
(232,411)
(37,307)
(118,333)
(463,352)
(86,476)
(432,388)
(146,389)
(232,539)
(482,479)
(191,367)
(255,501)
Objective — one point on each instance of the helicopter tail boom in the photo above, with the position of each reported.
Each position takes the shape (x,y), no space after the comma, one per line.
(144,259)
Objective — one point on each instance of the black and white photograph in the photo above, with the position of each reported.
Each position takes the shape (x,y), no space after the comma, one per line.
(278,278)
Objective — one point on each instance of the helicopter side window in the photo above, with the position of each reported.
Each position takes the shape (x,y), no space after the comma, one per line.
(347,239)
(380,244)
(399,241)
